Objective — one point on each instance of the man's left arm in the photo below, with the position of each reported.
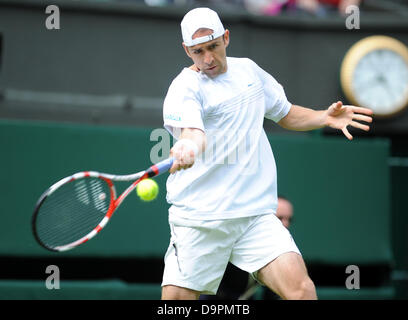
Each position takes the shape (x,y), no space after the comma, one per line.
(337,116)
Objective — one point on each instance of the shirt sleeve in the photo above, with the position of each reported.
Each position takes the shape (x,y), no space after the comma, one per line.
(182,106)
(277,105)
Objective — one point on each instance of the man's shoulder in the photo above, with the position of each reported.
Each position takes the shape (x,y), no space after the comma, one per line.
(186,73)
(240,61)
(186,77)
(241,64)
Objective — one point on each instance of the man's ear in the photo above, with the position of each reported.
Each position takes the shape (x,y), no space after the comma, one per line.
(226,37)
(186,50)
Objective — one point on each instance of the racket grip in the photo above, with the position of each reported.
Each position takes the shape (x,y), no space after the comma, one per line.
(159,168)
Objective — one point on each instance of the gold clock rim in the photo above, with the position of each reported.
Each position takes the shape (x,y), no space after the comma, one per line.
(359,50)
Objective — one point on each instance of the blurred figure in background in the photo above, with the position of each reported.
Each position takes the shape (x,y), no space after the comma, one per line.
(285,211)
(269,7)
(238,4)
(319,8)
(314,7)
(326,7)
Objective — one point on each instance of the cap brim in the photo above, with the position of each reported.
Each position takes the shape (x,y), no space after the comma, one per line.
(203,39)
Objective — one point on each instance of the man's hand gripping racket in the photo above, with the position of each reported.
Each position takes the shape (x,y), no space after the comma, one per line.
(76,208)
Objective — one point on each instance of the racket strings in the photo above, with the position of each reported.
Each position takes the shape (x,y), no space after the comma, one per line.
(72,211)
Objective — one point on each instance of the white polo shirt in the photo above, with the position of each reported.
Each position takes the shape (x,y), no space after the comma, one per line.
(236,175)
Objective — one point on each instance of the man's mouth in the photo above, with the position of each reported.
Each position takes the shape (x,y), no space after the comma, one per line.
(211,68)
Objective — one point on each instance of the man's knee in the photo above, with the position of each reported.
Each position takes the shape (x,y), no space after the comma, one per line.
(170,292)
(305,290)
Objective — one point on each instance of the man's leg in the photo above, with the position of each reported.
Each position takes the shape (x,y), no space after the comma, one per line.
(287,276)
(170,292)
(197,256)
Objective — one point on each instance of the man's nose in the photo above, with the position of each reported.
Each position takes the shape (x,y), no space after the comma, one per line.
(208,58)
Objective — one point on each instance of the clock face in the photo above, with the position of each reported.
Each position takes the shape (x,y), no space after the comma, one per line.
(374,74)
(380,81)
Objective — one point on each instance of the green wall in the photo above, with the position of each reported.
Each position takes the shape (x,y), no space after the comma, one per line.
(37,155)
(340,190)
(102,68)
(341,197)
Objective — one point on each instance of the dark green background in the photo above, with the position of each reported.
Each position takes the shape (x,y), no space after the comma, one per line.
(88,95)
(340,190)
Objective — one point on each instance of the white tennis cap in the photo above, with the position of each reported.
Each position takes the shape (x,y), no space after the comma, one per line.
(200,18)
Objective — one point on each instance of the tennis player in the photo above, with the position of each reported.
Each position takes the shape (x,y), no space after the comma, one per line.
(221,205)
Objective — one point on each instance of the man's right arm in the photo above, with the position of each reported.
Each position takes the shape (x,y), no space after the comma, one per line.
(192,142)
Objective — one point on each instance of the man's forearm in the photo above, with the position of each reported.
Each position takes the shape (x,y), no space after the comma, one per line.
(304,119)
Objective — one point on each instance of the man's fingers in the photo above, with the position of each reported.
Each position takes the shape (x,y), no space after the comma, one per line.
(186,159)
(362,110)
(347,134)
(179,166)
(174,167)
(182,160)
(362,118)
(359,126)
(337,105)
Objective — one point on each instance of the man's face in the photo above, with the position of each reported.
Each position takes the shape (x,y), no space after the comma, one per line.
(284,212)
(209,57)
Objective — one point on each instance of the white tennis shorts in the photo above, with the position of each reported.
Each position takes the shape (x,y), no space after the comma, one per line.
(199,251)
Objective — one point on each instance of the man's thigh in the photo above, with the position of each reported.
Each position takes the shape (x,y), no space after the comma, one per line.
(287,276)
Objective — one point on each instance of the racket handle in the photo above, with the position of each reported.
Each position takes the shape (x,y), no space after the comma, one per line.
(159,168)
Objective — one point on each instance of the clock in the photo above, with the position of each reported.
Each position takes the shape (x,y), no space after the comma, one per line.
(374,74)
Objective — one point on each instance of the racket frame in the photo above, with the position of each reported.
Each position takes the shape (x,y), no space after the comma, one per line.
(114,203)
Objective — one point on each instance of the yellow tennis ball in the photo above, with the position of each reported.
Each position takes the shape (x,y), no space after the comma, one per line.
(147,189)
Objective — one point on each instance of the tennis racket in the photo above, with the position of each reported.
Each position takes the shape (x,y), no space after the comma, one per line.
(78,207)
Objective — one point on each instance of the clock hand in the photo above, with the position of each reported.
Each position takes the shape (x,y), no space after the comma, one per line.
(387,87)
(374,65)
(366,84)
